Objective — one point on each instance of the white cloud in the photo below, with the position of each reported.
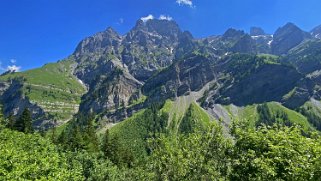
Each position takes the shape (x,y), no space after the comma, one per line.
(13,61)
(185,2)
(13,68)
(149,17)
(164,17)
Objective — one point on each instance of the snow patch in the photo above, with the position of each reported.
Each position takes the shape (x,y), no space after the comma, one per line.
(82,83)
(270,42)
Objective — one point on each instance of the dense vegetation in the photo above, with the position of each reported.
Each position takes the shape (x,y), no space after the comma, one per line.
(199,150)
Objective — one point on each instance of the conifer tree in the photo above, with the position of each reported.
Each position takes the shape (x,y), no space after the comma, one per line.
(53,134)
(106,146)
(91,139)
(24,123)
(76,140)
(11,121)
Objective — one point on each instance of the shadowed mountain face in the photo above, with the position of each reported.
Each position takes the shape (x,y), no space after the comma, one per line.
(121,74)
(287,37)
(257,31)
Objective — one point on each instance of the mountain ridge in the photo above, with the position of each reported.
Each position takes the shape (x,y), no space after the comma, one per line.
(156,61)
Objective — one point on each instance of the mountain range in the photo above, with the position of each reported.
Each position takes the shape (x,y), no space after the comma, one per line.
(226,77)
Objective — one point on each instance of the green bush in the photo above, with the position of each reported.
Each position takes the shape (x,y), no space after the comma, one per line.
(30,157)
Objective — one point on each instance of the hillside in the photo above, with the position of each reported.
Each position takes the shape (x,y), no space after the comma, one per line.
(52,92)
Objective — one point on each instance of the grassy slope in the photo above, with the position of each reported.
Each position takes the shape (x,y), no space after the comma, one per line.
(195,119)
(294,116)
(249,114)
(311,109)
(52,87)
(133,132)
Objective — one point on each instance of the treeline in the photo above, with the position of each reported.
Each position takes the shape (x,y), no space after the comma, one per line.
(266,117)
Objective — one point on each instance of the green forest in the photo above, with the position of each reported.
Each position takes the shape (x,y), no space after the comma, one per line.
(151,150)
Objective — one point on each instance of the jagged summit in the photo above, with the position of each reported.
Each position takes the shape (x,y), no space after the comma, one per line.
(257,31)
(162,27)
(232,33)
(287,37)
(102,41)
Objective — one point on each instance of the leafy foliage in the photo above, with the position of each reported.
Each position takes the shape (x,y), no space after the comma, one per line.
(201,155)
(30,157)
(80,135)
(275,153)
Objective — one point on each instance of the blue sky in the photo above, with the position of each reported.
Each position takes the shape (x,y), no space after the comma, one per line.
(35,32)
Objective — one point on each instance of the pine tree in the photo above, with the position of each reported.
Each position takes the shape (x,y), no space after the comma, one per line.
(24,123)
(11,121)
(106,146)
(113,150)
(91,139)
(115,153)
(76,140)
(53,134)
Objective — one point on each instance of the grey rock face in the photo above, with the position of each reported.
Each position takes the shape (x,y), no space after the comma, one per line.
(238,41)
(150,46)
(256,31)
(286,38)
(306,57)
(147,48)
(104,42)
(110,91)
(190,74)
(15,102)
(245,45)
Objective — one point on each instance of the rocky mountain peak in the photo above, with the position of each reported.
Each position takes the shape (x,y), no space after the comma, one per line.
(289,29)
(100,42)
(110,31)
(160,27)
(316,32)
(286,38)
(232,33)
(257,31)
